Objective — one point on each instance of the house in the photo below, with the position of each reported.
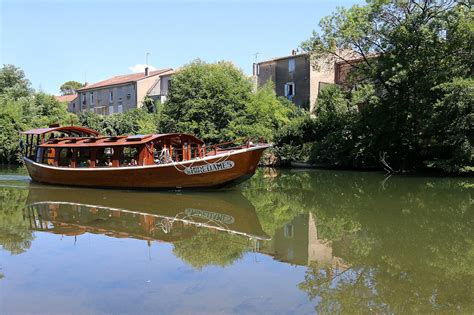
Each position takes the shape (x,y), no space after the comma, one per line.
(295,78)
(121,93)
(72,101)
(160,89)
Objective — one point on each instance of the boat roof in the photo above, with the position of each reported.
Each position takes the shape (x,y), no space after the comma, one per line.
(110,141)
(65,129)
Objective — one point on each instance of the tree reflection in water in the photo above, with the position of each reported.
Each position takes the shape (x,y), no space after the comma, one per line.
(15,235)
(406,245)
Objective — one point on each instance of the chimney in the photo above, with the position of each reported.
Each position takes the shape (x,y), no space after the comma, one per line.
(146,71)
(293,52)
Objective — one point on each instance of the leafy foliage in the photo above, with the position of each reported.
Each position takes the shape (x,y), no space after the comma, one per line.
(406,59)
(135,121)
(70,87)
(15,234)
(32,111)
(13,82)
(210,248)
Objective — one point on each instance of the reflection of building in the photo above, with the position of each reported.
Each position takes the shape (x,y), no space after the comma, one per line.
(298,242)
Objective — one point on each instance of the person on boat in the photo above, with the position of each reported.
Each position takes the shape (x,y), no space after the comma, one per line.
(108,162)
(165,156)
(133,162)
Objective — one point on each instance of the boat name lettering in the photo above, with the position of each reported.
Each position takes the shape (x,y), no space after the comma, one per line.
(208,215)
(214,167)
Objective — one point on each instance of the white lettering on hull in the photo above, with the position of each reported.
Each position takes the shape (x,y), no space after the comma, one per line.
(214,167)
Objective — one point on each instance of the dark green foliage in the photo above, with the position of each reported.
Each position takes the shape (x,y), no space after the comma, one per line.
(453,135)
(412,85)
(336,138)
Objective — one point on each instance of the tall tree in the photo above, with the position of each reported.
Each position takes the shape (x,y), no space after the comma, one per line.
(205,98)
(70,87)
(13,82)
(405,50)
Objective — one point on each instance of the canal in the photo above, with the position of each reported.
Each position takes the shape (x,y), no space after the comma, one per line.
(285,242)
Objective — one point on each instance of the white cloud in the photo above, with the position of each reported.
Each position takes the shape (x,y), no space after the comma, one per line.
(140,67)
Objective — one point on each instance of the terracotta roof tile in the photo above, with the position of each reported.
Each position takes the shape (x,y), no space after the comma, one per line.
(65,98)
(120,79)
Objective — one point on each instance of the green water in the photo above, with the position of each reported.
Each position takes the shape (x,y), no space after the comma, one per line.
(285,242)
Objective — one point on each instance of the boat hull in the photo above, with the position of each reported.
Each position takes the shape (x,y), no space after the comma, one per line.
(225,169)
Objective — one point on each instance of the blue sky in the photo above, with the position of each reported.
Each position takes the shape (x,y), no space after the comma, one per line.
(57,41)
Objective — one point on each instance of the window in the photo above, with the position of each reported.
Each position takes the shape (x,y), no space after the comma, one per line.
(84,99)
(289,231)
(92,98)
(39,155)
(111,96)
(111,110)
(120,108)
(48,156)
(104,157)
(129,156)
(289,90)
(291,65)
(65,156)
(102,110)
(83,157)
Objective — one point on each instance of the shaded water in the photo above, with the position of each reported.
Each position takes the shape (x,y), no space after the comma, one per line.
(283,242)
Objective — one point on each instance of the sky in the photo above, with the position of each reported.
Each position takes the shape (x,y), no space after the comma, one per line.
(55,41)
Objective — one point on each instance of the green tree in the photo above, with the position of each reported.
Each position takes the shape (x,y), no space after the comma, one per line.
(211,248)
(13,82)
(405,50)
(264,114)
(15,233)
(205,99)
(70,87)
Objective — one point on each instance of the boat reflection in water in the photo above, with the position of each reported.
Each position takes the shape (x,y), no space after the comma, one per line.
(159,216)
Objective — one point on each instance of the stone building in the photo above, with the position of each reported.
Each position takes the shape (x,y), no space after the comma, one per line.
(121,93)
(295,78)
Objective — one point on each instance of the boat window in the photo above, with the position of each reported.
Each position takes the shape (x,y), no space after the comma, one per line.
(129,156)
(84,157)
(65,156)
(104,157)
(39,155)
(48,156)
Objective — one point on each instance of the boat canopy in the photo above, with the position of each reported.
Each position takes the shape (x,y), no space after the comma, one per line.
(70,130)
(110,141)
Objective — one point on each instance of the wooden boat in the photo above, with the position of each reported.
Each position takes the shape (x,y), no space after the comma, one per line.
(79,156)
